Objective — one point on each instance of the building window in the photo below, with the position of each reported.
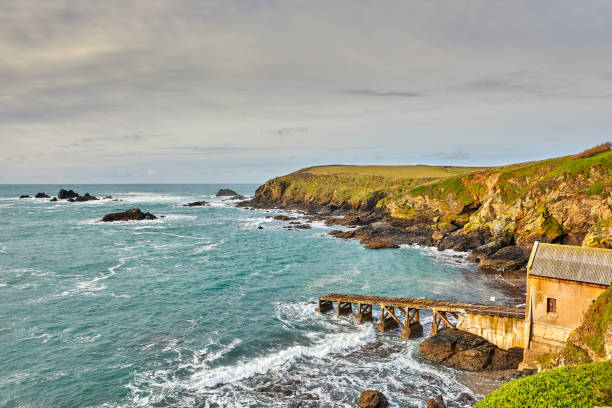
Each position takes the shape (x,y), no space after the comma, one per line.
(551,305)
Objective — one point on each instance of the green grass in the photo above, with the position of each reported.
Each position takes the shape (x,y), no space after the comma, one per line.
(402,172)
(580,386)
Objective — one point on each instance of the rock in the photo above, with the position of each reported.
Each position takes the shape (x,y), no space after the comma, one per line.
(284,218)
(197,204)
(66,194)
(53,199)
(226,192)
(302,226)
(376,243)
(437,235)
(510,258)
(24,196)
(260,227)
(86,197)
(436,402)
(466,351)
(41,195)
(372,399)
(133,214)
(108,197)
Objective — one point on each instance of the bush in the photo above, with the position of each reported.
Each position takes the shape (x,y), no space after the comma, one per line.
(586,385)
(604,147)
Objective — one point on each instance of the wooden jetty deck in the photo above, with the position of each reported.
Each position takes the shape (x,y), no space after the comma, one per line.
(404,312)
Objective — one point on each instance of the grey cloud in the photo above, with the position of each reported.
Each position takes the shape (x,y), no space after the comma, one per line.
(284,132)
(369,92)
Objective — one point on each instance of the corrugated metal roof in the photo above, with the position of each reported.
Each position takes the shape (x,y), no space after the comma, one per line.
(581,264)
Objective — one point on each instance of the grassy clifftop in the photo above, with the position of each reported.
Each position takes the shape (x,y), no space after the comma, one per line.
(556,200)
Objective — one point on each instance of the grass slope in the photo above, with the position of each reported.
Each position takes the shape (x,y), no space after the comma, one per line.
(581,386)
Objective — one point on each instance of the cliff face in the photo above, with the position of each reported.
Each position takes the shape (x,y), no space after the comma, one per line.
(564,200)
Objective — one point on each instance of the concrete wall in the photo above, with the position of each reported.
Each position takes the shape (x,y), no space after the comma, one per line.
(504,332)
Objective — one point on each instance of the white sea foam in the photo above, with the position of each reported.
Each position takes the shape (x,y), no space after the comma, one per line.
(446,256)
(333,343)
(209,247)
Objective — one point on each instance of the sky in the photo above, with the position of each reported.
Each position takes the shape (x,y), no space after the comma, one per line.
(196,91)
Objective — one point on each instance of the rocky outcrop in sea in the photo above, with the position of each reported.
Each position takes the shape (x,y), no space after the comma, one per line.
(133,214)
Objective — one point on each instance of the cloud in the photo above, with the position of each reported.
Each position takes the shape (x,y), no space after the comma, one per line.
(284,132)
(369,92)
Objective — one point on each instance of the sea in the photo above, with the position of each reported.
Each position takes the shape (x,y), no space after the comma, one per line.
(206,307)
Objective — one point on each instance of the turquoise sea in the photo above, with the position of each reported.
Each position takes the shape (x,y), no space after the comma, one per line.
(201,307)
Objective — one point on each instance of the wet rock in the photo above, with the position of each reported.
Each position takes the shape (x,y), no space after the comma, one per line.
(372,399)
(197,204)
(108,197)
(466,399)
(86,197)
(376,243)
(226,192)
(260,227)
(460,241)
(510,258)
(133,214)
(24,196)
(284,218)
(436,402)
(302,226)
(466,351)
(41,195)
(53,199)
(66,194)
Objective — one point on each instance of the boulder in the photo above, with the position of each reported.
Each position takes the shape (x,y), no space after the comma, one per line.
(226,192)
(436,402)
(41,195)
(284,218)
(133,214)
(24,196)
(372,399)
(302,226)
(53,199)
(196,204)
(108,197)
(510,258)
(377,243)
(86,197)
(66,194)
(466,351)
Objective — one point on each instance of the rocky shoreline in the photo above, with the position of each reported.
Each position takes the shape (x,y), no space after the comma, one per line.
(376,229)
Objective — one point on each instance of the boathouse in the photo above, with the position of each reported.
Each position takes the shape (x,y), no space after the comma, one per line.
(562,282)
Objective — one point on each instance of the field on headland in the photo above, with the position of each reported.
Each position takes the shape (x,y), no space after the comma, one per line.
(417,171)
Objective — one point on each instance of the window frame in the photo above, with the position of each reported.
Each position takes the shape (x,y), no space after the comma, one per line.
(551,305)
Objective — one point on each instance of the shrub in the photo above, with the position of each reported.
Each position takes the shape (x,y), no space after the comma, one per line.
(604,147)
(586,385)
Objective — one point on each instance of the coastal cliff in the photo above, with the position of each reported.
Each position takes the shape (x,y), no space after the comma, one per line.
(496,212)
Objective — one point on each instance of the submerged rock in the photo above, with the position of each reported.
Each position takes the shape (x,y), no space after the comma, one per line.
(372,399)
(226,192)
(197,204)
(66,194)
(41,195)
(133,214)
(24,196)
(466,351)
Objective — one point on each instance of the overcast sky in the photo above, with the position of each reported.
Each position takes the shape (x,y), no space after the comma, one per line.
(241,91)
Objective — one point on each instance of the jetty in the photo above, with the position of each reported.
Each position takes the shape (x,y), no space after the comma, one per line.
(499,323)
